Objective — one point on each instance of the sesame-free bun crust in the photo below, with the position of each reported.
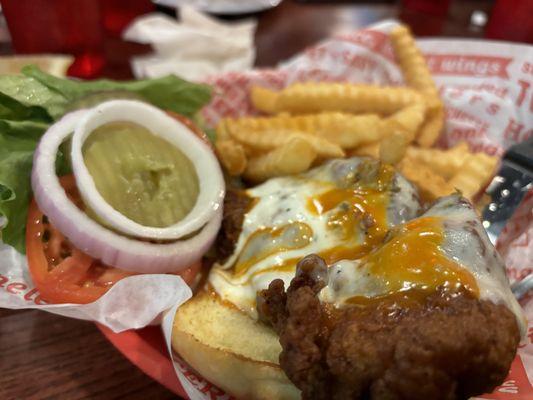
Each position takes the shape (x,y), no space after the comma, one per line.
(230,350)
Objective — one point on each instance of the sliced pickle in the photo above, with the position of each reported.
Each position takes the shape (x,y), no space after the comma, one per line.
(141,175)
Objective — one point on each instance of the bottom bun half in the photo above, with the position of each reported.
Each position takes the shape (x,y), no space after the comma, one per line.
(230,350)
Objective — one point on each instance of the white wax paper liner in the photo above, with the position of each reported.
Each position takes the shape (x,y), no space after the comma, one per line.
(132,303)
(488,91)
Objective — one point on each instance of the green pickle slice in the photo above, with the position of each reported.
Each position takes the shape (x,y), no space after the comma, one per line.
(141,175)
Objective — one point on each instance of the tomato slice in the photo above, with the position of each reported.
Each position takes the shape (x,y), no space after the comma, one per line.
(61,272)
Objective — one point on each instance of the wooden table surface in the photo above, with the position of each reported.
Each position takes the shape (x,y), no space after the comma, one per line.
(44,356)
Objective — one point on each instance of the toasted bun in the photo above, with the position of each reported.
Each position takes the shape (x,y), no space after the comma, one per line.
(230,350)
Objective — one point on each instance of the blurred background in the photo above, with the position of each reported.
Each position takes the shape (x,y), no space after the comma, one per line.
(91,30)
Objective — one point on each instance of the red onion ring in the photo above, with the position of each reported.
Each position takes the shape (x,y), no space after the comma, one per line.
(96,240)
(175,133)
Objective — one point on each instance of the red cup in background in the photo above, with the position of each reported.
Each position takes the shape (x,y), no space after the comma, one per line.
(511,20)
(88,29)
(58,26)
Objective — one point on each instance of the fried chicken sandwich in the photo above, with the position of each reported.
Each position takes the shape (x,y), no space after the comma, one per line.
(339,284)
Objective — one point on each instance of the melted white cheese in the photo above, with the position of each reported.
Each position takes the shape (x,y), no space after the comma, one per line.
(465,242)
(284,201)
(282,206)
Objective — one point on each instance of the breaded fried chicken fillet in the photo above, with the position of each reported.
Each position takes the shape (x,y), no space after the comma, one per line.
(450,347)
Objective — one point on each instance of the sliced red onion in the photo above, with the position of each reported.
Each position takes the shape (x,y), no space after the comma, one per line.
(96,240)
(207,168)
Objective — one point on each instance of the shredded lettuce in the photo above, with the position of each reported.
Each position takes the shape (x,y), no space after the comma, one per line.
(30,102)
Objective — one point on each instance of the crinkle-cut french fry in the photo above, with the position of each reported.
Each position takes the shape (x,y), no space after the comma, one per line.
(310,97)
(264,99)
(232,156)
(343,129)
(293,157)
(349,131)
(417,76)
(367,150)
(323,147)
(412,62)
(430,185)
(392,149)
(474,174)
(222,131)
(446,163)
(432,127)
(261,141)
(407,121)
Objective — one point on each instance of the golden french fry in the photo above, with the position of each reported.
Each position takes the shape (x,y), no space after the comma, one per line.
(417,76)
(349,131)
(430,185)
(261,141)
(222,131)
(446,163)
(264,99)
(293,157)
(412,62)
(323,147)
(407,121)
(460,149)
(432,127)
(310,97)
(393,148)
(367,150)
(232,156)
(345,130)
(474,174)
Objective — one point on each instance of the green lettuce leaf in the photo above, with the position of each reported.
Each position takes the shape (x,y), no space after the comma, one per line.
(15,195)
(18,140)
(29,103)
(38,100)
(168,93)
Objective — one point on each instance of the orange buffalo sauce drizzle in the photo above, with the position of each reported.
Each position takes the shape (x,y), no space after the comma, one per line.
(411,265)
(288,265)
(268,241)
(359,209)
(353,207)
